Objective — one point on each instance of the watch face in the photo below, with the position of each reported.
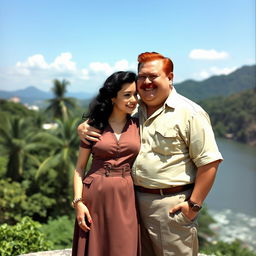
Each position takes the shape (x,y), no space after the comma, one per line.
(196,208)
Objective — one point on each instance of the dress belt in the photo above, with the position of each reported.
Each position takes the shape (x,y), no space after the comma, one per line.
(109,170)
(165,191)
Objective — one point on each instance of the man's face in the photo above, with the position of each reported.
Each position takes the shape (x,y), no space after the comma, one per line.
(153,84)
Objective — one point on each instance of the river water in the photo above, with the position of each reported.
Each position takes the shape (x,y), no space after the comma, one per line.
(232,200)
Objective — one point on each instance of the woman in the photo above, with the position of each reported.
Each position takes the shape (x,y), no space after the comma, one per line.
(106,220)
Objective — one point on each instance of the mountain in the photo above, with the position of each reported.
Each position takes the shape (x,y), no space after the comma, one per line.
(33,95)
(223,85)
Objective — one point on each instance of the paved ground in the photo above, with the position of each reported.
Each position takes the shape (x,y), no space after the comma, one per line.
(66,252)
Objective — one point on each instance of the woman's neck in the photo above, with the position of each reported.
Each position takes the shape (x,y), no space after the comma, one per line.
(118,118)
(117,123)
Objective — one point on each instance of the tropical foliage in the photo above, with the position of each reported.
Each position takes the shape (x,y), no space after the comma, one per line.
(235,116)
(228,249)
(19,144)
(22,238)
(60,105)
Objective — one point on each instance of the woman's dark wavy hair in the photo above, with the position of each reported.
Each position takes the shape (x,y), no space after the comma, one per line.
(101,106)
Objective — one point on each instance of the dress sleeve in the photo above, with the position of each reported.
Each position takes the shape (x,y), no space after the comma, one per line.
(84,145)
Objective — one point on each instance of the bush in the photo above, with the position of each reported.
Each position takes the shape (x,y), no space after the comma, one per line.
(59,232)
(228,249)
(22,238)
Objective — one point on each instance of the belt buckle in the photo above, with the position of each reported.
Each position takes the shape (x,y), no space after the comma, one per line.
(161,192)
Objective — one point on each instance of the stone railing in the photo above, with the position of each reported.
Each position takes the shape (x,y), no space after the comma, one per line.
(66,252)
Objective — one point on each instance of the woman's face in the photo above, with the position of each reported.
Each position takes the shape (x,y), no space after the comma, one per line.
(126,99)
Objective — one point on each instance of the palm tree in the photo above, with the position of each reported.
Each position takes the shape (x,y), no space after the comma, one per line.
(17,140)
(60,104)
(64,144)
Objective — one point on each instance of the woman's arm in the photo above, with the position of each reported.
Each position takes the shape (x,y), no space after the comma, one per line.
(82,211)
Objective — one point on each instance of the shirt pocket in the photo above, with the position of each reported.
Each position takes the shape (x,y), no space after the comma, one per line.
(167,141)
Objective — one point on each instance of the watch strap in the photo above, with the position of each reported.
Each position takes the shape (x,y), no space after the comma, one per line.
(194,206)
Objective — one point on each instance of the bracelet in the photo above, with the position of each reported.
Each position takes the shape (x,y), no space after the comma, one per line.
(75,201)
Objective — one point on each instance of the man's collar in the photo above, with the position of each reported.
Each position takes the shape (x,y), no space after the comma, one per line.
(171,101)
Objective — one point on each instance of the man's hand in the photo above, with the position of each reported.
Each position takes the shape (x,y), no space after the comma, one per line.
(87,132)
(185,209)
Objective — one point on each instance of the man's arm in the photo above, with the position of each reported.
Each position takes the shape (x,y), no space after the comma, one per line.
(204,180)
(87,132)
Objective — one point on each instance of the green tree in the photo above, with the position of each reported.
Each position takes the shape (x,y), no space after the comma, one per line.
(234,116)
(15,202)
(60,105)
(63,144)
(18,144)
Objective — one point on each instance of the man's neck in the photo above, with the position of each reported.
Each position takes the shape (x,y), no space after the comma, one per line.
(152,110)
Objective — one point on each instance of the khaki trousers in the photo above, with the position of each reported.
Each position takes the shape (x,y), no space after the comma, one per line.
(165,234)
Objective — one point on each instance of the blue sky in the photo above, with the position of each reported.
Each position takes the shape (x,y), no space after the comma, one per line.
(85,41)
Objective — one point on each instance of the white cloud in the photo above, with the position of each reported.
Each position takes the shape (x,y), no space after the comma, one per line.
(84,74)
(203,74)
(101,67)
(107,69)
(35,61)
(222,71)
(121,65)
(201,54)
(36,71)
(63,62)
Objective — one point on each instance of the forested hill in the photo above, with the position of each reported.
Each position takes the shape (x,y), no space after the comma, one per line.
(224,85)
(234,117)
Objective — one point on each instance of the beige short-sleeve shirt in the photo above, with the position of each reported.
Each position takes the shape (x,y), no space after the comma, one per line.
(175,140)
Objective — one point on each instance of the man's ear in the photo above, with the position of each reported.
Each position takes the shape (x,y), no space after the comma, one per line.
(170,76)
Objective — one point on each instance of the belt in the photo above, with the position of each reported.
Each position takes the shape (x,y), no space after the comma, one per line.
(112,171)
(165,191)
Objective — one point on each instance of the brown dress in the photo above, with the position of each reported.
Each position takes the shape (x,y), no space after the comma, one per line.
(109,195)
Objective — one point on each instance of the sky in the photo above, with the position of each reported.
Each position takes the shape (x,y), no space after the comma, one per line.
(86,41)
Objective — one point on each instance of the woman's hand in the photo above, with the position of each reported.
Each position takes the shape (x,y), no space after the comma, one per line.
(87,132)
(83,214)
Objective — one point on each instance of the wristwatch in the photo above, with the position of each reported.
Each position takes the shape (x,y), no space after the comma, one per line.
(194,206)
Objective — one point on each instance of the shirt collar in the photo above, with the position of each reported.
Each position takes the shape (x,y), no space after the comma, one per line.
(171,101)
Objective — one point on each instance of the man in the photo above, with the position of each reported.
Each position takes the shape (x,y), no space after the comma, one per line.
(177,163)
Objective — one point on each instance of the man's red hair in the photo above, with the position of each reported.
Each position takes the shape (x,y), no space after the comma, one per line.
(151,56)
